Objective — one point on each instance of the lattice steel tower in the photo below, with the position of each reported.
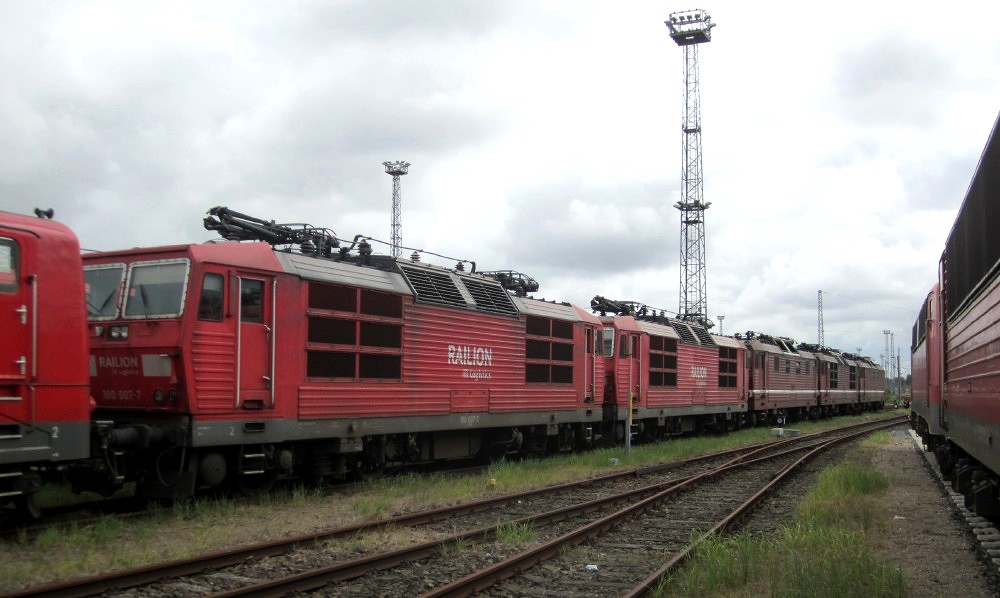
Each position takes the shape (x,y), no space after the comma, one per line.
(396,169)
(688,29)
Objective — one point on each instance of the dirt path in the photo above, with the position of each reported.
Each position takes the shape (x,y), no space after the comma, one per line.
(923,535)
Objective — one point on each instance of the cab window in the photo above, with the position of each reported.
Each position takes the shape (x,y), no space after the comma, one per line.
(156,289)
(8,266)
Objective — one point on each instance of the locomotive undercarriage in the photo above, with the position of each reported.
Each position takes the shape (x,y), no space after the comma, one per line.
(157,458)
(165,468)
(968,477)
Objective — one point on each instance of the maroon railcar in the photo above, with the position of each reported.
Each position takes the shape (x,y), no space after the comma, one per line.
(675,376)
(45,403)
(967,342)
(925,368)
(870,383)
(238,364)
(781,380)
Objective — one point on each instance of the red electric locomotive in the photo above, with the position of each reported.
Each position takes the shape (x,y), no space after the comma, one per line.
(674,375)
(236,364)
(277,353)
(45,403)
(958,335)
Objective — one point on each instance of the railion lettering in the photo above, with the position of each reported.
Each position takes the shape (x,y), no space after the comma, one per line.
(118,362)
(470,355)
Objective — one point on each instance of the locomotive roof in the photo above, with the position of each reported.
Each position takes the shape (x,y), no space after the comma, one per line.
(657,329)
(345,273)
(772,344)
(254,255)
(549,309)
(426,283)
(57,236)
(727,341)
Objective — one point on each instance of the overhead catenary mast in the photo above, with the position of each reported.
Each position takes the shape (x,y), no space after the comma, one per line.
(688,29)
(396,169)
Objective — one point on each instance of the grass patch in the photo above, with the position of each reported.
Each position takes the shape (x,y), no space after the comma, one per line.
(801,560)
(826,552)
(845,495)
(515,534)
(455,548)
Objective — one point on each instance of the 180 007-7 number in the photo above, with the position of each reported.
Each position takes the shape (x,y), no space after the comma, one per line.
(120,395)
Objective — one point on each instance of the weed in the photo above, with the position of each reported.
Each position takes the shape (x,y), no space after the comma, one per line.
(455,548)
(515,534)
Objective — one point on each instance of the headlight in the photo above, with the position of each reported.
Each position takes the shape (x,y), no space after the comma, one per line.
(158,396)
(118,333)
(173,395)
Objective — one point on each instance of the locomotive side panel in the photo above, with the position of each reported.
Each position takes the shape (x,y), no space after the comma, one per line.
(781,377)
(698,379)
(441,354)
(971,395)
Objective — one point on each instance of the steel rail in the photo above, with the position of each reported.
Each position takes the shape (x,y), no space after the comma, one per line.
(489,576)
(649,584)
(94,585)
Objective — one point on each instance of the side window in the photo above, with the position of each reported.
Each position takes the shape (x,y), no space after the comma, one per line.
(548,351)
(609,342)
(662,361)
(211,302)
(8,266)
(251,300)
(623,346)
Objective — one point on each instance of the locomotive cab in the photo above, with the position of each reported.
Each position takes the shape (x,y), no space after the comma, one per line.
(44,401)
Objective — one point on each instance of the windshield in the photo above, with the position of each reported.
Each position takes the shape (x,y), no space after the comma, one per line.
(609,342)
(102,285)
(156,289)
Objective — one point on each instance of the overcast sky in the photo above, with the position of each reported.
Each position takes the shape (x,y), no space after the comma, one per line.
(544,136)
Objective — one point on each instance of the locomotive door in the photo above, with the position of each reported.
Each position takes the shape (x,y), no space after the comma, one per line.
(633,361)
(17,307)
(757,376)
(255,345)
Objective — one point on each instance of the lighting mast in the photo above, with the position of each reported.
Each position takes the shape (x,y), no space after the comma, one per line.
(888,355)
(396,169)
(688,29)
(819,319)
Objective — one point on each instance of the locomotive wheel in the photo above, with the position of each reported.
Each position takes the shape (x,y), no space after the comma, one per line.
(27,507)
(364,471)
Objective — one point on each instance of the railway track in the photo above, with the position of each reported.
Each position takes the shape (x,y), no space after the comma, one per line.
(461,549)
